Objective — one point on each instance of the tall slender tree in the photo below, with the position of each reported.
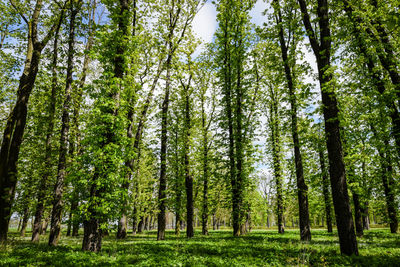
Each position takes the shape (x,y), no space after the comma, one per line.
(337,172)
(15,126)
(78,94)
(302,189)
(188,176)
(56,214)
(40,206)
(232,42)
(180,15)
(325,187)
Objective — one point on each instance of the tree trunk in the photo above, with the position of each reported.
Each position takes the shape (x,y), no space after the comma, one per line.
(140,225)
(74,140)
(151,223)
(92,235)
(163,156)
(24,222)
(214,222)
(356,199)
(388,186)
(178,223)
(134,220)
(177,185)
(55,226)
(302,189)
(74,219)
(341,201)
(231,151)
(123,221)
(275,135)
(188,176)
(238,189)
(325,190)
(19,223)
(357,214)
(45,224)
(365,216)
(172,45)
(204,215)
(146,223)
(50,127)
(69,224)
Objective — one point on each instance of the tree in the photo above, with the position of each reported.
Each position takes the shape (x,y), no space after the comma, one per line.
(337,172)
(187,91)
(14,130)
(325,186)
(107,164)
(55,229)
(275,138)
(50,128)
(180,14)
(75,149)
(232,41)
(305,233)
(205,80)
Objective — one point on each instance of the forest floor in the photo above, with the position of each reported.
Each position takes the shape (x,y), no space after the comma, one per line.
(259,248)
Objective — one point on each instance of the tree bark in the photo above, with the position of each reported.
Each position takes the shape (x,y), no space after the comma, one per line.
(140,225)
(92,235)
(55,226)
(134,220)
(341,201)
(188,176)
(204,215)
(69,224)
(19,223)
(388,186)
(238,189)
(151,223)
(163,156)
(356,198)
(275,135)
(325,190)
(365,216)
(177,187)
(357,214)
(45,224)
(24,221)
(123,221)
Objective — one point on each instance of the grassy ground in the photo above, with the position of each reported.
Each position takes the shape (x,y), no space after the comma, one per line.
(259,248)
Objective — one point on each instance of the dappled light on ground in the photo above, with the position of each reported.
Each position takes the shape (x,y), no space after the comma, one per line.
(259,248)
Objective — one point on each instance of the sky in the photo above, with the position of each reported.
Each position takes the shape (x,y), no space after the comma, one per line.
(205,22)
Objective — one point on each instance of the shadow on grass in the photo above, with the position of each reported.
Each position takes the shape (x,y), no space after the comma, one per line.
(220,248)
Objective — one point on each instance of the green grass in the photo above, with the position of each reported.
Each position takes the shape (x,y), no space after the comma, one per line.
(259,248)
